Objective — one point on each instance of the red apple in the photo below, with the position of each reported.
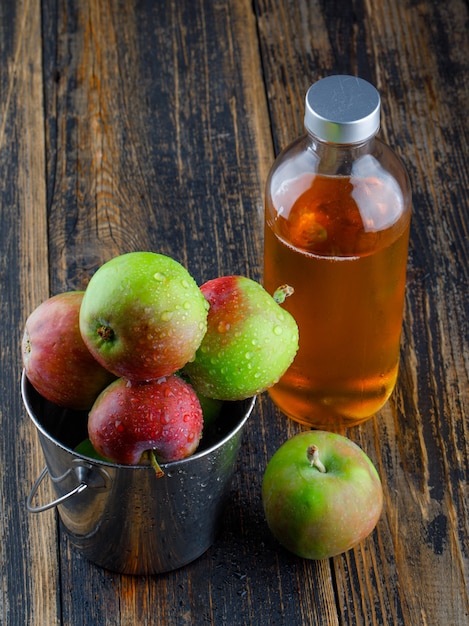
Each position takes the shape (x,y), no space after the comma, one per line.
(250,340)
(143,315)
(129,419)
(55,358)
(321,494)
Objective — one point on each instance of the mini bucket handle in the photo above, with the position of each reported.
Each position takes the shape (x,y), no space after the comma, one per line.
(82,473)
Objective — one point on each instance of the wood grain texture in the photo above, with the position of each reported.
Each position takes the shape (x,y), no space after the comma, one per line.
(130,125)
(26,543)
(151,131)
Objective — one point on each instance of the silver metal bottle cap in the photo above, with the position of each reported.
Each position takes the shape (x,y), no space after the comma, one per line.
(342,109)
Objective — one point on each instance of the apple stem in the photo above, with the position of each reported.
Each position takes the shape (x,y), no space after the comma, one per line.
(282,292)
(105,333)
(155,465)
(314,460)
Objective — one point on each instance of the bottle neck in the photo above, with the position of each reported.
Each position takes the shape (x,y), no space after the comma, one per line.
(336,159)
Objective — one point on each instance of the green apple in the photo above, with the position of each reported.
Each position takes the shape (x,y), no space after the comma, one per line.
(250,341)
(321,494)
(143,316)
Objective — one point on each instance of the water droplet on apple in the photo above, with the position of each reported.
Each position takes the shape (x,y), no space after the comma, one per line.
(159,276)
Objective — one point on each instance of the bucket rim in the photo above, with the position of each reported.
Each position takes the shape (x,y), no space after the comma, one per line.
(25,384)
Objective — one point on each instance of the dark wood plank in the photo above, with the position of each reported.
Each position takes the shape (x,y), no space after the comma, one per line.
(28,549)
(416,568)
(151,134)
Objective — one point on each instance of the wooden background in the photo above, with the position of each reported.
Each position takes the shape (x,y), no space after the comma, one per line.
(128,125)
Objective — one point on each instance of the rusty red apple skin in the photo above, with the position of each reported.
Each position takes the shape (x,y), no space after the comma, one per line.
(317,514)
(130,418)
(56,360)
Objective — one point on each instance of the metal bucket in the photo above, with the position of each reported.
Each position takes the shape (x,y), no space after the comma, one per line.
(122,517)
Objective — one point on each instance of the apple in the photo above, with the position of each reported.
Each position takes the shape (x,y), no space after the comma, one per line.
(56,360)
(211,409)
(143,315)
(321,494)
(131,418)
(249,344)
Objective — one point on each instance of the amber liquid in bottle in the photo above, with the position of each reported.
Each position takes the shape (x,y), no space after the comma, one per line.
(347,265)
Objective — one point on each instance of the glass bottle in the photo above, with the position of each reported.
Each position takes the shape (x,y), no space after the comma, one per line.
(337,218)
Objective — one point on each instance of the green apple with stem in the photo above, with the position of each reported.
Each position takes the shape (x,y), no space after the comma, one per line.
(250,340)
(143,316)
(321,494)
